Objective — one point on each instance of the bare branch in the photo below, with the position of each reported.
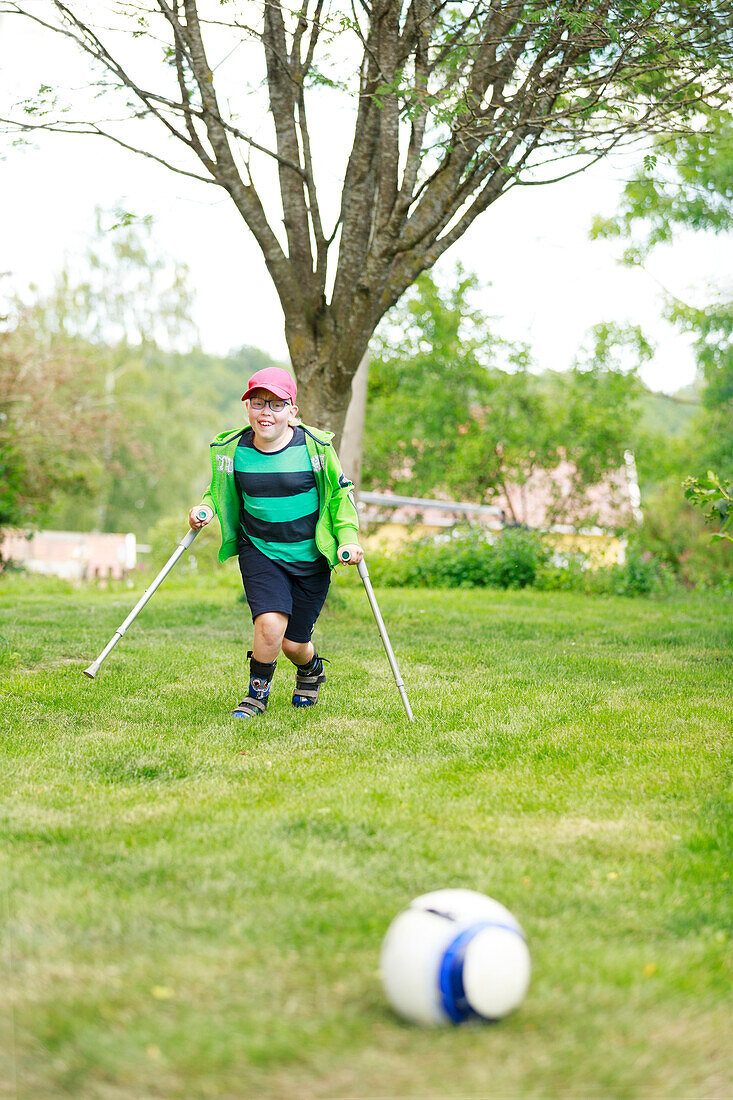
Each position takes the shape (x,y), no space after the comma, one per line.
(313,206)
(282,80)
(245,197)
(92,45)
(313,40)
(96,131)
(181,55)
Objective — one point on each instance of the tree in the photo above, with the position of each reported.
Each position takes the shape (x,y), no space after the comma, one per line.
(97,333)
(453,105)
(585,416)
(428,368)
(112,308)
(689,185)
(443,418)
(122,292)
(53,419)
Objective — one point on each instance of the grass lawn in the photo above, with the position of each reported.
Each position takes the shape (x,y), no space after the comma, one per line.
(193,906)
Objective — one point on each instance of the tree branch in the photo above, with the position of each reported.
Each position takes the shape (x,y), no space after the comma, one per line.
(281,81)
(180,53)
(245,197)
(91,128)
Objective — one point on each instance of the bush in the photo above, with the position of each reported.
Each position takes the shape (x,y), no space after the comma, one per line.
(165,535)
(675,532)
(564,573)
(468,560)
(517,559)
(641,575)
(460,563)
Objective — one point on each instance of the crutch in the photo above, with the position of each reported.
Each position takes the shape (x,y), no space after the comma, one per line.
(364,574)
(91,672)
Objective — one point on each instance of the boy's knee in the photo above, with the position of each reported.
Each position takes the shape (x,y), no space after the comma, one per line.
(271,626)
(296,651)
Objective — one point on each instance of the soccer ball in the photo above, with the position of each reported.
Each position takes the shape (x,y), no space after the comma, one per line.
(454,955)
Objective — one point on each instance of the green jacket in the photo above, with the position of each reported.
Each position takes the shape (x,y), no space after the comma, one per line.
(337,522)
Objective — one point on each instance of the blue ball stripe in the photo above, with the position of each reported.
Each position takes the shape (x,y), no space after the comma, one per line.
(452,991)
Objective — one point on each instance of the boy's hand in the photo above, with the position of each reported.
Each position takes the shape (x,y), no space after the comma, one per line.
(350,553)
(199,516)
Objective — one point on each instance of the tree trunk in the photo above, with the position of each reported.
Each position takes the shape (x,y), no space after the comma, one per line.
(353,435)
(324,364)
(323,399)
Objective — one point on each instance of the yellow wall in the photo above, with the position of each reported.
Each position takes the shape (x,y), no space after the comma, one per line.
(601,549)
(393,536)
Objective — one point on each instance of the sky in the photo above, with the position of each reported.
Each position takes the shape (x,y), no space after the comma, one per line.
(543,279)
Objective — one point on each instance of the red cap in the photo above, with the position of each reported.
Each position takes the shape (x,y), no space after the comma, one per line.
(274,379)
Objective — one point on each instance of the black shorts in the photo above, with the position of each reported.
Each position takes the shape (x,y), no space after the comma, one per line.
(269,587)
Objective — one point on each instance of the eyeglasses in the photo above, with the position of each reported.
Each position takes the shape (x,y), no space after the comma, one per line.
(258,404)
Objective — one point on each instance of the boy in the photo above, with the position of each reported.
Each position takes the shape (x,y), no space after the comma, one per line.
(287,510)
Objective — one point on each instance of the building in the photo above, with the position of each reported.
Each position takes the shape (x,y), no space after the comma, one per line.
(73,555)
(546,502)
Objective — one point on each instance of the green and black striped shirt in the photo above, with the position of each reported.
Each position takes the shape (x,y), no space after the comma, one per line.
(279,503)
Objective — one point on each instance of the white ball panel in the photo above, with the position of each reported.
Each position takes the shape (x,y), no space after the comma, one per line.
(496,972)
(410,964)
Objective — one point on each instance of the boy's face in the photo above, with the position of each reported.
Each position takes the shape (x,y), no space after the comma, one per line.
(269,425)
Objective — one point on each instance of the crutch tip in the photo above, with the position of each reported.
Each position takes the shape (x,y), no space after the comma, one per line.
(91,672)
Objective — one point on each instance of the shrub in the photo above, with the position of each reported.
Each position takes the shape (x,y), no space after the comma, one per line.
(517,559)
(567,572)
(642,574)
(676,533)
(468,560)
(165,535)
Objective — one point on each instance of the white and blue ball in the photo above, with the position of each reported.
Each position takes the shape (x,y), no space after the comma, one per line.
(454,955)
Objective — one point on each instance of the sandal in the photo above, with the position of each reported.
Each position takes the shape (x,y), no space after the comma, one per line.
(308,682)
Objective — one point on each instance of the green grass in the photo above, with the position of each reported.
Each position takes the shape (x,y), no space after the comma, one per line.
(193,906)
